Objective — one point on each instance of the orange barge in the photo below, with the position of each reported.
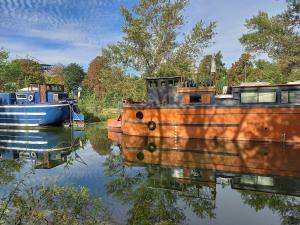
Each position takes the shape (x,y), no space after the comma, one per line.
(176,107)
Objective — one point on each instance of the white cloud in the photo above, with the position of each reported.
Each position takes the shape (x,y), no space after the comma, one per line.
(81,28)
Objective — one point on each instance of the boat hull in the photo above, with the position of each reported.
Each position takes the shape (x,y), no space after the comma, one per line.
(270,123)
(34,115)
(222,156)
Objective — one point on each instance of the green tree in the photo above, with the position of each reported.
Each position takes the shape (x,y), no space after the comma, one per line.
(267,71)
(55,75)
(278,36)
(240,70)
(9,72)
(204,71)
(288,207)
(31,72)
(102,77)
(151,45)
(73,75)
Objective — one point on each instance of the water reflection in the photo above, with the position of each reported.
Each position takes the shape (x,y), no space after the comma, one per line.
(189,171)
(45,148)
(153,180)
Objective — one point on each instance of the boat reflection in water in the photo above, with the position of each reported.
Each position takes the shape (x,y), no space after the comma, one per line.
(45,147)
(257,166)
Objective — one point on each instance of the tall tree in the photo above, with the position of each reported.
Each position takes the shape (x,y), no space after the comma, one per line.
(278,36)
(31,72)
(102,77)
(73,75)
(204,70)
(240,70)
(56,74)
(151,45)
(9,72)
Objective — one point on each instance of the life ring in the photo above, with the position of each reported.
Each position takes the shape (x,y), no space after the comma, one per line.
(30,98)
(151,147)
(33,155)
(151,125)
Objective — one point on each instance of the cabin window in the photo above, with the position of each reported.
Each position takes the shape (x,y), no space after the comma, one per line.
(284,97)
(170,83)
(267,97)
(176,83)
(249,97)
(163,83)
(294,96)
(258,97)
(195,98)
(21,96)
(153,83)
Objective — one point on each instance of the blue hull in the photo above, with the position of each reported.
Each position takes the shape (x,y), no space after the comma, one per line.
(46,147)
(34,115)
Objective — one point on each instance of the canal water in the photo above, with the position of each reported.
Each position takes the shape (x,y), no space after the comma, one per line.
(159,180)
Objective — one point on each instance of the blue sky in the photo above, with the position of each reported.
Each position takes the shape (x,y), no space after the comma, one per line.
(65,31)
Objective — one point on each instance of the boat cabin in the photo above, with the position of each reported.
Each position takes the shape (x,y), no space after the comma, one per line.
(182,91)
(35,94)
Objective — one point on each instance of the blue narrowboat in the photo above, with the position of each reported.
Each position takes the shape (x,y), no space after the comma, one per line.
(37,105)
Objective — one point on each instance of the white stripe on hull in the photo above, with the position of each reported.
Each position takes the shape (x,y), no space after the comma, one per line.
(24,113)
(17,131)
(32,106)
(25,142)
(20,124)
(36,150)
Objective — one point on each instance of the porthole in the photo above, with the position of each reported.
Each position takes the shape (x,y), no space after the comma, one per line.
(139,115)
(140,156)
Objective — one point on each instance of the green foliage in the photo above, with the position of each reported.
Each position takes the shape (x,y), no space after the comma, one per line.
(94,108)
(266,71)
(239,70)
(146,190)
(73,75)
(287,207)
(8,168)
(9,72)
(55,75)
(150,44)
(105,86)
(278,36)
(249,70)
(97,135)
(31,72)
(102,77)
(54,204)
(204,71)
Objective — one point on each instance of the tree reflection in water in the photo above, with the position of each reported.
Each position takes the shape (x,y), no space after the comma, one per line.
(158,183)
(8,169)
(288,207)
(154,195)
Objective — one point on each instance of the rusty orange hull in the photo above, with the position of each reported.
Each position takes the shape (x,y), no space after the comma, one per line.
(275,124)
(230,157)
(114,125)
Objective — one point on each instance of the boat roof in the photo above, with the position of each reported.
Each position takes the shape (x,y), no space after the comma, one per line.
(268,85)
(162,78)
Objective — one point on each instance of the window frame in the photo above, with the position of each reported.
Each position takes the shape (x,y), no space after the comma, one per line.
(22,98)
(257,96)
(289,95)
